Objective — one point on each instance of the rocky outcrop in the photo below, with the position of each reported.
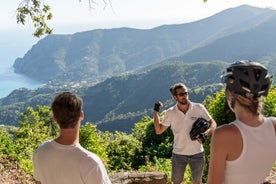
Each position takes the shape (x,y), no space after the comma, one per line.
(139,178)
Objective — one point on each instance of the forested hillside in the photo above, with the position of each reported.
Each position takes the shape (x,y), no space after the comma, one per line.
(95,55)
(121,72)
(121,101)
(255,43)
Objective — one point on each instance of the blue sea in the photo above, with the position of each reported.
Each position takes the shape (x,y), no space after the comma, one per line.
(14,44)
(10,81)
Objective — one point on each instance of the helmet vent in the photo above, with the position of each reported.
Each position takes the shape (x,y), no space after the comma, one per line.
(244,84)
(257,73)
(264,87)
(256,86)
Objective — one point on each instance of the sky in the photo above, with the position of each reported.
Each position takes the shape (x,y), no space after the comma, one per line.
(71,16)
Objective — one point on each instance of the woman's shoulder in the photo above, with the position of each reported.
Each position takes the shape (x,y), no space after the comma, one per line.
(226,137)
(227,130)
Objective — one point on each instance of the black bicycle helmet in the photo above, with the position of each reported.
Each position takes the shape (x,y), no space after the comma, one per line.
(247,78)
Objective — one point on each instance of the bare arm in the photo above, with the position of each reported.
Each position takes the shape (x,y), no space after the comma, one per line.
(226,144)
(159,128)
(211,129)
(217,159)
(37,182)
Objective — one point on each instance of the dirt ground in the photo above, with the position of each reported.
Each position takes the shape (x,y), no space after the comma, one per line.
(10,173)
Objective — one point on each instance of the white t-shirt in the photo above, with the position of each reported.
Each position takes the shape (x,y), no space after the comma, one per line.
(67,164)
(257,157)
(181,125)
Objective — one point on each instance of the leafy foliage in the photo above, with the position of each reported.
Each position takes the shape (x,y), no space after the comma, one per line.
(94,140)
(159,146)
(141,150)
(270,101)
(123,152)
(6,147)
(34,128)
(39,14)
(157,164)
(219,110)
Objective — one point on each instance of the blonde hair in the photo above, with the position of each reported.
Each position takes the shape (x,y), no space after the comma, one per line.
(253,105)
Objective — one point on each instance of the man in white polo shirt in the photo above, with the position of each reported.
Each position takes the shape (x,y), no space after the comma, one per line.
(180,118)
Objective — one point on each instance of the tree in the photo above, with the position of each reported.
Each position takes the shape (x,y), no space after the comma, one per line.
(40,14)
(270,101)
(93,140)
(123,152)
(219,109)
(6,146)
(159,146)
(35,127)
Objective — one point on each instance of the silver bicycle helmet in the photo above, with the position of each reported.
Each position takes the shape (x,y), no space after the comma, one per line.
(247,78)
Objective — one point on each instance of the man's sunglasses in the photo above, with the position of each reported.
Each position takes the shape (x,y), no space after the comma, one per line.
(183,94)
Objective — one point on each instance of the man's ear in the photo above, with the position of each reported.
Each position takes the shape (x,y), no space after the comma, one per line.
(55,120)
(82,115)
(174,97)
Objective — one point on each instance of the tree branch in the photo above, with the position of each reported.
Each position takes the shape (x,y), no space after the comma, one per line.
(40,13)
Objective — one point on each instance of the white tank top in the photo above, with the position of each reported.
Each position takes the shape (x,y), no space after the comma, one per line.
(257,157)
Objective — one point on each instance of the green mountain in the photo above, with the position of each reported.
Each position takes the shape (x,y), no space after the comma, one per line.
(255,42)
(121,72)
(92,56)
(120,101)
